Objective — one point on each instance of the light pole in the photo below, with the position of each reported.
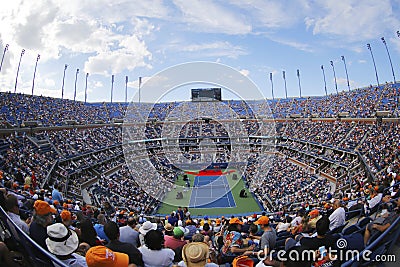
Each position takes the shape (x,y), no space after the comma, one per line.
(140,85)
(62,87)
(87,75)
(19,64)
(323,74)
(334,75)
(126,89)
(347,75)
(390,59)
(34,73)
(2,58)
(272,86)
(373,61)
(76,78)
(112,87)
(284,79)
(298,77)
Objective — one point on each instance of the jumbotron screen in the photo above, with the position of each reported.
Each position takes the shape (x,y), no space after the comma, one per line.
(206,94)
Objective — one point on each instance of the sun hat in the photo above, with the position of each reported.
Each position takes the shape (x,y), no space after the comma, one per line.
(101,256)
(43,208)
(195,254)
(168,227)
(61,240)
(147,226)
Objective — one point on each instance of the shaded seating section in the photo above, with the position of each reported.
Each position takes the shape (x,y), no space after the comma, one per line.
(379,244)
(17,240)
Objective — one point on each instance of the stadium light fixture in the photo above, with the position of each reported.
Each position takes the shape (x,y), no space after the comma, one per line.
(34,73)
(323,74)
(126,89)
(284,79)
(347,75)
(76,78)
(390,59)
(62,87)
(19,64)
(373,61)
(112,87)
(2,58)
(272,85)
(298,77)
(334,76)
(140,85)
(87,75)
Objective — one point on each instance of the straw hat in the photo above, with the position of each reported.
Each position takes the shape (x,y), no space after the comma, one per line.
(195,254)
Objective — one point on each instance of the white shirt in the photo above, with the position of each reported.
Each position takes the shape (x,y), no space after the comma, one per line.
(157,258)
(296,221)
(129,235)
(20,223)
(373,202)
(76,261)
(282,226)
(210,264)
(337,218)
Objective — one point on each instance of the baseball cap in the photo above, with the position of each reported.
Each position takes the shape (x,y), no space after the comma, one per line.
(235,220)
(262,220)
(178,232)
(43,208)
(66,215)
(314,212)
(101,256)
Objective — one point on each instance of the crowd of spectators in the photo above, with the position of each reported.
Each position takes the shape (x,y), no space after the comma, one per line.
(119,202)
(82,235)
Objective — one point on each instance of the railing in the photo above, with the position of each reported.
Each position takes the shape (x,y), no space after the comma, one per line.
(366,167)
(33,253)
(45,181)
(385,242)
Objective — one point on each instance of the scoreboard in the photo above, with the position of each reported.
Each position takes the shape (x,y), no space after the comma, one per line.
(206,94)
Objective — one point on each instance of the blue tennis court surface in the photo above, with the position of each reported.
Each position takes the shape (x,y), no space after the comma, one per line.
(211,192)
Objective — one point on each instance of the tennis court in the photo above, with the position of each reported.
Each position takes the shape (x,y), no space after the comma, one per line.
(211,192)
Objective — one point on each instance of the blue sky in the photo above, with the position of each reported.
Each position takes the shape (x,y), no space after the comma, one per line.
(141,38)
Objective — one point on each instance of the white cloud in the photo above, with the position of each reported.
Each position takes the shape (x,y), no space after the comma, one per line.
(208,16)
(352,20)
(214,49)
(343,81)
(49,82)
(273,14)
(300,46)
(52,27)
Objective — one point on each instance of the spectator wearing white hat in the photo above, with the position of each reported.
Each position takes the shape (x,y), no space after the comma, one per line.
(146,227)
(63,242)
